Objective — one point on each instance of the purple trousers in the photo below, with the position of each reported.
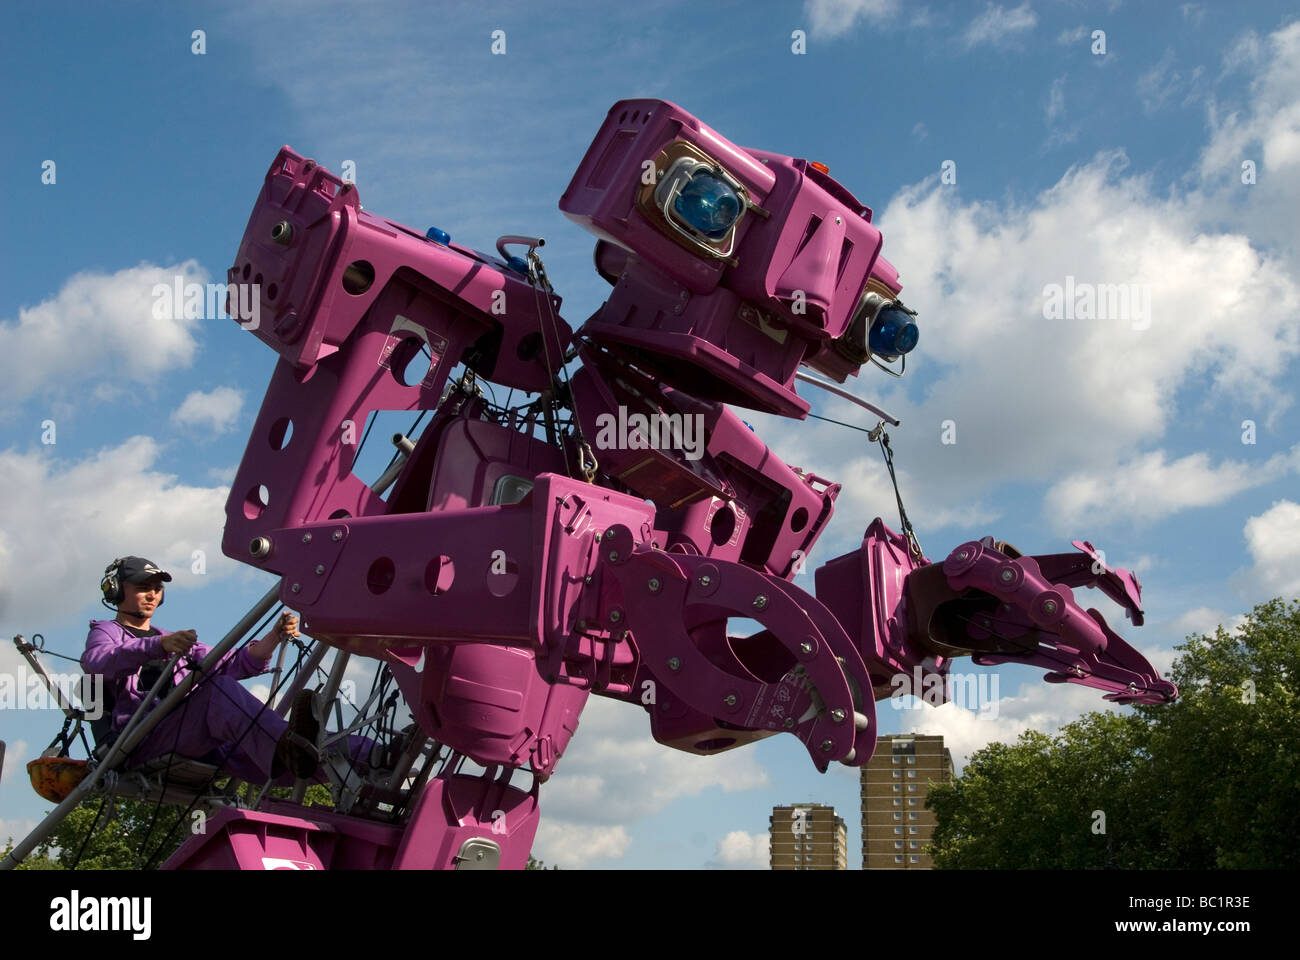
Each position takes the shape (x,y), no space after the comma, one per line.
(216,723)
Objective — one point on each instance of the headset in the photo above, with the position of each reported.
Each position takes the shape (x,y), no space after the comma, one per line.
(111,587)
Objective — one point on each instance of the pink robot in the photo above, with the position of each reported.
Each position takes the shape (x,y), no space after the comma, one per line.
(596,539)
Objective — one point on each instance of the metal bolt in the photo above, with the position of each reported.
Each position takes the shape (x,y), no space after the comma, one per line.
(296,588)
(336,536)
(789,722)
(587,580)
(1049,607)
(580,625)
(838,220)
(282,232)
(827,745)
(613,556)
(259,547)
(838,715)
(1008,575)
(674,663)
(806,647)
(654,584)
(615,616)
(320,568)
(760,602)
(705,580)
(729,699)
(963,554)
(986,621)
(306,538)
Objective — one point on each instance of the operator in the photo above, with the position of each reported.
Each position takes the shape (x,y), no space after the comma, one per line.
(220,721)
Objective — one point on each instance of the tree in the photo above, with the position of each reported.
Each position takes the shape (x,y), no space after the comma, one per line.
(1210,781)
(136,836)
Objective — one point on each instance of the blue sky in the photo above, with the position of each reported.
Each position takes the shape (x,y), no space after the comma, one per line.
(1115,167)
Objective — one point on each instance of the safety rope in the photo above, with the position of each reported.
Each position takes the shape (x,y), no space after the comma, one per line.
(878,435)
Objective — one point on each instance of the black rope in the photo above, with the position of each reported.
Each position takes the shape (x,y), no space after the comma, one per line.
(913,544)
(841,423)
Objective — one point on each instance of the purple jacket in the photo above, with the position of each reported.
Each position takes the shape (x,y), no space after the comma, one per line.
(115,652)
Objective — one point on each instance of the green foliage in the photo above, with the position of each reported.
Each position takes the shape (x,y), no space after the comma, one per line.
(537,864)
(133,835)
(1210,781)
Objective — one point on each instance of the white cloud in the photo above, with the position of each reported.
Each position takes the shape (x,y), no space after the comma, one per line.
(739,850)
(62,521)
(16,760)
(1041,706)
(1163,82)
(99,329)
(614,772)
(1273,539)
(919,130)
(1194,13)
(16,829)
(997,23)
(830,18)
(218,409)
(571,846)
(1148,488)
(1067,37)
(1206,620)
(1263,129)
(1056,100)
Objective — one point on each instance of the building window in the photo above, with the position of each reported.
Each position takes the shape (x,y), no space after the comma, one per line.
(911,816)
(914,844)
(898,844)
(911,788)
(898,858)
(909,829)
(899,773)
(898,816)
(898,802)
(897,761)
(911,801)
(897,787)
(914,858)
(911,774)
(911,759)
(899,830)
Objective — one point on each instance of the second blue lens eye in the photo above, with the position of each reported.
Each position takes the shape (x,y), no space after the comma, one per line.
(893,333)
(708,205)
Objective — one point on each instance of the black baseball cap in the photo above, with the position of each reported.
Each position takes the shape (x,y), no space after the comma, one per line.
(138,570)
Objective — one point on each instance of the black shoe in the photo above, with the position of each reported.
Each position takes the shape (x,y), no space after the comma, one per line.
(299,746)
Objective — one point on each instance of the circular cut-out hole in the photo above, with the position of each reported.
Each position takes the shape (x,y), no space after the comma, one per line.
(281,432)
(271,291)
(255,501)
(717,743)
(248,268)
(439,575)
(340,515)
(381,575)
(409,363)
(799,519)
(722,526)
(503,576)
(528,346)
(358,276)
(257,281)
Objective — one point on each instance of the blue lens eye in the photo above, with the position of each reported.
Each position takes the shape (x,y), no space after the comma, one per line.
(708,205)
(893,333)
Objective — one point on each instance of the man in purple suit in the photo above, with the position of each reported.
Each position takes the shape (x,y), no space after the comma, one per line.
(219,721)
